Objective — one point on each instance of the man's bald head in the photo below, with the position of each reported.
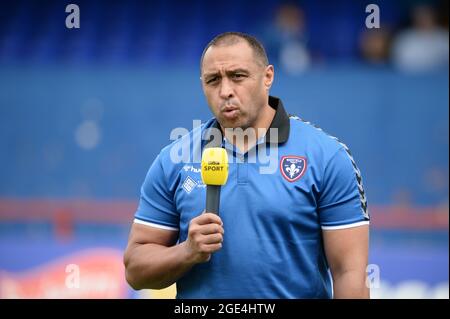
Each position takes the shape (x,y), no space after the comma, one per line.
(230,38)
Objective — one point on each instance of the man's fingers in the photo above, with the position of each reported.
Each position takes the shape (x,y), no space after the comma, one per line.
(212,248)
(208,218)
(212,239)
(211,229)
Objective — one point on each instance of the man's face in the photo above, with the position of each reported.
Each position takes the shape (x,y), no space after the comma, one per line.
(235,85)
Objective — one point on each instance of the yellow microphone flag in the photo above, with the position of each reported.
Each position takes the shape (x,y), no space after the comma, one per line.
(214,166)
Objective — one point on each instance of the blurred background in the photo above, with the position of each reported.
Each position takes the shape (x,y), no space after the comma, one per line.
(84,112)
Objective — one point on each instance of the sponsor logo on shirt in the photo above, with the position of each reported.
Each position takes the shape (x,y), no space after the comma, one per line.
(189,184)
(190,168)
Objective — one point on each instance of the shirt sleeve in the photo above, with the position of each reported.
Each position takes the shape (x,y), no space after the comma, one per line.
(342,202)
(156,205)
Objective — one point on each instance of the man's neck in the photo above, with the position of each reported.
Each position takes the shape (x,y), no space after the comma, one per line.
(253,133)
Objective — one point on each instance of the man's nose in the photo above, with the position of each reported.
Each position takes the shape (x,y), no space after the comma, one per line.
(226,89)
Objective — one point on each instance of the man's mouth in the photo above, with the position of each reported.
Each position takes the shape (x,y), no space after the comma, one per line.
(230,112)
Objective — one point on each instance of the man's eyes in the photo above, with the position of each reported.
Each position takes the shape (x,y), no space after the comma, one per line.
(212,80)
(235,77)
(238,76)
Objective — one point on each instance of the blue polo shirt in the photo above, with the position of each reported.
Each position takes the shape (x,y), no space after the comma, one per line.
(273,222)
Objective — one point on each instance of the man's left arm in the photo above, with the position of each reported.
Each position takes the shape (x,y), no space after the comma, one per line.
(347,254)
(344,220)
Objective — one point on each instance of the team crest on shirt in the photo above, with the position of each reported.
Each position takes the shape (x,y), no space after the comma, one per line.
(292,167)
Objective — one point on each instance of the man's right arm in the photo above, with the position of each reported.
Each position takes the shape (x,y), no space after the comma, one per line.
(153,260)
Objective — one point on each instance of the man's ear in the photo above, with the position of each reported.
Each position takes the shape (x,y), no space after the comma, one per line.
(268,76)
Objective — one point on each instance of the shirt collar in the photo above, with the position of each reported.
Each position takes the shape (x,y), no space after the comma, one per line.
(280,121)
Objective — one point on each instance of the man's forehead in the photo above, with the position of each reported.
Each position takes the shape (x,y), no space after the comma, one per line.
(239,54)
(225,67)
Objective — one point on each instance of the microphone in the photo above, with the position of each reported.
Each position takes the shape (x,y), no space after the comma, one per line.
(214,175)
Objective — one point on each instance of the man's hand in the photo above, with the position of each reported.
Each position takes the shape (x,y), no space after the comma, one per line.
(205,236)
